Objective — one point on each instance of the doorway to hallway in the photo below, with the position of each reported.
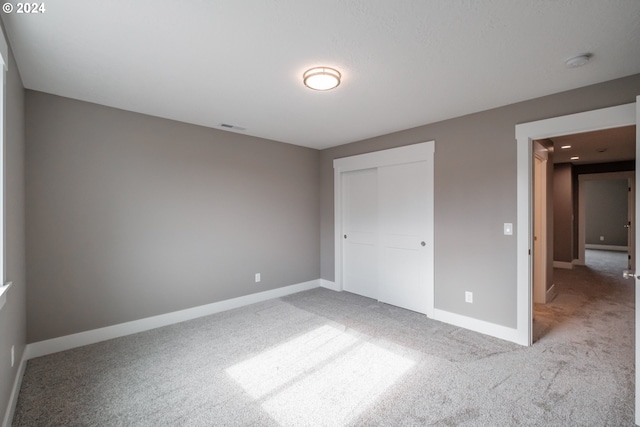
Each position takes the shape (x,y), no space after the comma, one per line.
(585,190)
(526,133)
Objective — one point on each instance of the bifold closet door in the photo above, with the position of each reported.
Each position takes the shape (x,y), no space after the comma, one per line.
(360,232)
(403,219)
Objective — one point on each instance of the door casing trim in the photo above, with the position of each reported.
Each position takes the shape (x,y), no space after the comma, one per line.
(526,133)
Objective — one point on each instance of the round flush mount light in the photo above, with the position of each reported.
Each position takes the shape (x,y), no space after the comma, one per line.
(578,60)
(321,78)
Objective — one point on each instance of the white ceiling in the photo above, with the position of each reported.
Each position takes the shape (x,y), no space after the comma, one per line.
(405,63)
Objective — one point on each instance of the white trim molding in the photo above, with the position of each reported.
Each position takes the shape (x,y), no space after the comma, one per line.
(54,345)
(552,292)
(4,52)
(3,293)
(481,326)
(15,391)
(329,285)
(563,264)
(607,247)
(526,133)
(4,288)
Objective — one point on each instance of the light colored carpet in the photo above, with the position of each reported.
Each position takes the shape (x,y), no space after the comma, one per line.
(321,358)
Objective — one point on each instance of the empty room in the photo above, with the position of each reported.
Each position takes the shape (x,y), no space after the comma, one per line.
(296,213)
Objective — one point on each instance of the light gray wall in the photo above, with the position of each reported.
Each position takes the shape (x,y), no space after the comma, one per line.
(563,212)
(131,216)
(13,314)
(475,193)
(606,212)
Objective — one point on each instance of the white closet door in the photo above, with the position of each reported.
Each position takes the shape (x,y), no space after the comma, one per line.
(404,235)
(360,232)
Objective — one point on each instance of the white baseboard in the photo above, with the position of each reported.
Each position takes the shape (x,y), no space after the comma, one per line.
(563,264)
(607,247)
(487,328)
(54,345)
(329,285)
(15,391)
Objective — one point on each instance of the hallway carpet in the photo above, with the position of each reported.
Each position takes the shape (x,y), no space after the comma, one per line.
(322,358)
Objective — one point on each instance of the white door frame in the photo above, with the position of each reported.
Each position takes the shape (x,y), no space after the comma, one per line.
(637,262)
(423,151)
(540,252)
(526,133)
(632,217)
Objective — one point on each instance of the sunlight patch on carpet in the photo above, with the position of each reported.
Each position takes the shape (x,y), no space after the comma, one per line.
(275,367)
(325,377)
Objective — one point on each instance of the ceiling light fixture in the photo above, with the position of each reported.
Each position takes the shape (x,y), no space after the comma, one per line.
(578,60)
(321,78)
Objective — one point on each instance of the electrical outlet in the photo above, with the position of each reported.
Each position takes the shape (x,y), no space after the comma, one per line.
(257,277)
(468,297)
(601,238)
(13,357)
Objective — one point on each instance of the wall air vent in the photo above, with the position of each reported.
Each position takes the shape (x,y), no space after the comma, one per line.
(234,127)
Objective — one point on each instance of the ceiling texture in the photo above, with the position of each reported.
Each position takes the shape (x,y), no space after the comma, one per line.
(404,63)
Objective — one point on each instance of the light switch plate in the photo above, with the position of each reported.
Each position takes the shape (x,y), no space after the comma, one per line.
(508,229)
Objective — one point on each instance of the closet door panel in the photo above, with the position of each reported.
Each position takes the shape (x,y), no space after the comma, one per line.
(360,232)
(403,215)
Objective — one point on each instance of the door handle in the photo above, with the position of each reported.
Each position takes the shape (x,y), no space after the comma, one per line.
(628,274)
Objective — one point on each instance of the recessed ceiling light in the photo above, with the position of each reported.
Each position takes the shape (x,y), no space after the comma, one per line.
(575,158)
(565,147)
(578,60)
(321,78)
